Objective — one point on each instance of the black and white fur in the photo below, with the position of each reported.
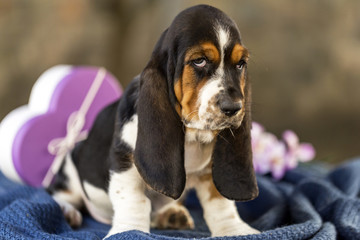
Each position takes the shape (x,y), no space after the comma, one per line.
(144,152)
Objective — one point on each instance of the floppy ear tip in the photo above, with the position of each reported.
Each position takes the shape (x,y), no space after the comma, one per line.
(173,191)
(160,183)
(251,189)
(253,193)
(247,193)
(174,194)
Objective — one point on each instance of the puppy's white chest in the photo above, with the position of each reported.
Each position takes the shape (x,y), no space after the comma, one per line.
(197,152)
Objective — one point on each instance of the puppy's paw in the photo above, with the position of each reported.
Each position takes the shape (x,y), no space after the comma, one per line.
(173,217)
(71,214)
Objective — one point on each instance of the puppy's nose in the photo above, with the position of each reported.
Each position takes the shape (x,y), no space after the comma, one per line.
(230,108)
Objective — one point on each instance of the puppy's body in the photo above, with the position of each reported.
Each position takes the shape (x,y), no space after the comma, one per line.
(183,123)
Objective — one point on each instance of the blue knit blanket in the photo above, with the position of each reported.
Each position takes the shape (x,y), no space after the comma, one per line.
(309,203)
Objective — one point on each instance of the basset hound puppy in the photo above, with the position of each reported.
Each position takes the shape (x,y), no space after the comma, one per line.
(183,123)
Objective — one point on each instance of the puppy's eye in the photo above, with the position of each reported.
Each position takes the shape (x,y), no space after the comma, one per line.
(241,65)
(200,62)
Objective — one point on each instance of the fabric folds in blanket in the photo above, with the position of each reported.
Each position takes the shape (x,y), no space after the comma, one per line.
(310,202)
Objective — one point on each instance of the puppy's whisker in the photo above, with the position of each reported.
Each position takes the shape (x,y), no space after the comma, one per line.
(232,132)
(223,138)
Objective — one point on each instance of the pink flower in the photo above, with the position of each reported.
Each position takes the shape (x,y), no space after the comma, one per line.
(296,151)
(272,155)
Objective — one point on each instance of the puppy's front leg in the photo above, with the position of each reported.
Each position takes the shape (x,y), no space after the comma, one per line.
(220,214)
(131,206)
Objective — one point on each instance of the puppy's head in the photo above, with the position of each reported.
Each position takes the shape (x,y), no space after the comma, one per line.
(196,78)
(210,76)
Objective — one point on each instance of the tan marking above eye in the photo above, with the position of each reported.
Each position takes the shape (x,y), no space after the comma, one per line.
(238,53)
(206,49)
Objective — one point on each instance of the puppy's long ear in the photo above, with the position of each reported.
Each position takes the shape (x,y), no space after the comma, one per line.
(233,171)
(159,152)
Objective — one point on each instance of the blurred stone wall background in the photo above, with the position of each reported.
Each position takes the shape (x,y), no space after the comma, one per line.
(305,55)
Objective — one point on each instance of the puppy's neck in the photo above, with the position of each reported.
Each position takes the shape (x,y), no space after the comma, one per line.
(199,136)
(199,146)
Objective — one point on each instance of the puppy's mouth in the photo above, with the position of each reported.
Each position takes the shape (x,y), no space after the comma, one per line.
(215,122)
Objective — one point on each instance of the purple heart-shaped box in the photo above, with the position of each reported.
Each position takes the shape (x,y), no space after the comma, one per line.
(25,132)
